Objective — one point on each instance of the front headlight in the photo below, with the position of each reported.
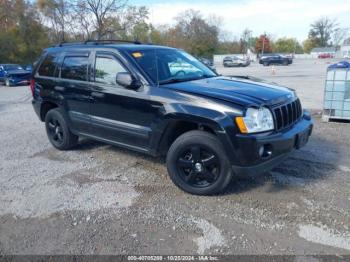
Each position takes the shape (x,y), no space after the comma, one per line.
(255,121)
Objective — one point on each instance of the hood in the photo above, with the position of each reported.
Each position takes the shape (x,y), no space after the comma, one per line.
(237,90)
(17,72)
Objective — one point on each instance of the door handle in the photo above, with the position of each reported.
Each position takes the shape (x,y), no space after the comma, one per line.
(97,94)
(59,88)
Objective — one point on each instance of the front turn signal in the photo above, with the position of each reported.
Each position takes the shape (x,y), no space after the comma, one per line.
(241,125)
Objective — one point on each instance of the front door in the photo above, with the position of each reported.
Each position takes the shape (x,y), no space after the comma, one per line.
(118,114)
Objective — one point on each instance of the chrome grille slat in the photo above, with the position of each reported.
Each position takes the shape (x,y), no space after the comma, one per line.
(287,114)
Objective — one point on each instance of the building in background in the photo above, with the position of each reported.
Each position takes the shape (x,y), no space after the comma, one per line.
(345,49)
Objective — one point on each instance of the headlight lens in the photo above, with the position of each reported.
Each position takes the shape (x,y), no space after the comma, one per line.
(256,120)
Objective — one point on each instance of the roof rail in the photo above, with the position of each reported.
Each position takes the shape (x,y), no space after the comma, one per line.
(97,42)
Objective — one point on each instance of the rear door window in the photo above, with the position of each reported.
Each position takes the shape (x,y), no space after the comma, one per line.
(75,68)
(49,65)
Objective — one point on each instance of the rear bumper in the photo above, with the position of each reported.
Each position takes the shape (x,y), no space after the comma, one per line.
(37,106)
(278,145)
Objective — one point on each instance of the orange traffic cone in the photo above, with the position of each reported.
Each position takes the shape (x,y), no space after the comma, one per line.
(273,72)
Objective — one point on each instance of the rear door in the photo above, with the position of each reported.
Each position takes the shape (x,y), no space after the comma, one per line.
(118,114)
(73,85)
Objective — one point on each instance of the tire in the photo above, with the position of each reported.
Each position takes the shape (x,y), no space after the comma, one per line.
(7,82)
(58,131)
(215,172)
(285,63)
(266,64)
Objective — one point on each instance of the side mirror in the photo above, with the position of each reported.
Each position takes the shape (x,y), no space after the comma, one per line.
(125,79)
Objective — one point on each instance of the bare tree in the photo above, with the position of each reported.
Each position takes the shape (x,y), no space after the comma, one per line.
(194,33)
(99,16)
(58,13)
(245,40)
(322,30)
(339,35)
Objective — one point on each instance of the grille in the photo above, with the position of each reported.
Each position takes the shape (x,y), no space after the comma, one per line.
(287,114)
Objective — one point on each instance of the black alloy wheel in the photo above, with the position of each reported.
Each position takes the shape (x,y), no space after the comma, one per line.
(55,131)
(58,131)
(198,166)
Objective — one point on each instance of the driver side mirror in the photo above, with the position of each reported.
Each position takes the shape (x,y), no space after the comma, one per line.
(125,79)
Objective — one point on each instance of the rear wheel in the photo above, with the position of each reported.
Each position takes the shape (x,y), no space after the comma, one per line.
(266,63)
(285,62)
(197,163)
(58,131)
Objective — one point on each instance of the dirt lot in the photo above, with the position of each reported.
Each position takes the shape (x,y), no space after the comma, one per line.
(99,199)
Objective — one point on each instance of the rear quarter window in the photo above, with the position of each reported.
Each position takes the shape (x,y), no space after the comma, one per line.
(75,68)
(49,66)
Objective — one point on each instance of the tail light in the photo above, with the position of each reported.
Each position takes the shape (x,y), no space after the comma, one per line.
(32,86)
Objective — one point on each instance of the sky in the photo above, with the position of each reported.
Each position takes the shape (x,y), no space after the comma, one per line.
(279,18)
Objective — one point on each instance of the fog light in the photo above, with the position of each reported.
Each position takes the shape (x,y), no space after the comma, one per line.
(265,151)
(261,150)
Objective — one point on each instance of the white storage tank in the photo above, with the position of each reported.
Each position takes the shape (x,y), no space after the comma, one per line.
(337,92)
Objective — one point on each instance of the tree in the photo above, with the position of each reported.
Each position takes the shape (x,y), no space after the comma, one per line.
(58,14)
(99,17)
(339,36)
(195,34)
(245,40)
(321,31)
(263,44)
(287,45)
(309,44)
(23,37)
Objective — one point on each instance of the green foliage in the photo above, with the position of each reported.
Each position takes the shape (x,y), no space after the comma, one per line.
(309,44)
(287,45)
(23,37)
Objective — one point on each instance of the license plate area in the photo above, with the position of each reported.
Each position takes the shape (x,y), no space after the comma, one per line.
(302,139)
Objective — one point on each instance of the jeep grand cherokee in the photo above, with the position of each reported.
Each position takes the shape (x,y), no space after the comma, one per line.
(162,101)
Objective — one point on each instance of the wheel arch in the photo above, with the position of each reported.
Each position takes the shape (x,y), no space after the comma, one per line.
(45,107)
(176,126)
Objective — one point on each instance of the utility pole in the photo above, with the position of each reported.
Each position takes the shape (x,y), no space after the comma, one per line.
(263,45)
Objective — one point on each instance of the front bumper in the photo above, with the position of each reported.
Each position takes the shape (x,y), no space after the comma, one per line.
(277,144)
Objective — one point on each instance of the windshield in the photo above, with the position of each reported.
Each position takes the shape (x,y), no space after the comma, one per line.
(170,65)
(12,67)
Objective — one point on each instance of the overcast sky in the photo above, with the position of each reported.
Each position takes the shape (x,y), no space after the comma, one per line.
(290,18)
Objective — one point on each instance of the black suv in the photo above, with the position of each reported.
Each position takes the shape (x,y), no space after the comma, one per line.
(275,59)
(162,101)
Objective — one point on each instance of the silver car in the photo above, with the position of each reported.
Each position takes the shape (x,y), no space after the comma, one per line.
(235,61)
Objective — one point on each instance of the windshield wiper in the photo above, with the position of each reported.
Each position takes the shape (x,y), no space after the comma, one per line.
(172,80)
(178,80)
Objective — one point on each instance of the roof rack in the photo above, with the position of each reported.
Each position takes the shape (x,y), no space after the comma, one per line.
(98,42)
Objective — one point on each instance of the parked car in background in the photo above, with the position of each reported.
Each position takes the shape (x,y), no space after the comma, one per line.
(347,56)
(235,61)
(29,68)
(275,59)
(208,62)
(325,55)
(13,74)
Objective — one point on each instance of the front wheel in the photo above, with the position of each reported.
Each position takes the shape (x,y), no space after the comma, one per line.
(266,64)
(197,163)
(7,82)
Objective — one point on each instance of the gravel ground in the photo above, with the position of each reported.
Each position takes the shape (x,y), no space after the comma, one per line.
(99,199)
